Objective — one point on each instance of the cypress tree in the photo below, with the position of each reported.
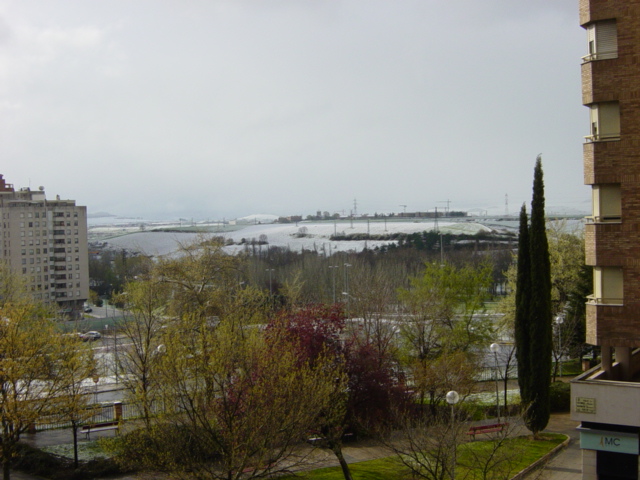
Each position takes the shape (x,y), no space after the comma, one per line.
(540,331)
(523,288)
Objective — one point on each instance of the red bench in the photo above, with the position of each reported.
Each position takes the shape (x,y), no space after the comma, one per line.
(491,428)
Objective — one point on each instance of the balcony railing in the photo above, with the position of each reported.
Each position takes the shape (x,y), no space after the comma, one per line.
(595,300)
(602,137)
(600,56)
(603,219)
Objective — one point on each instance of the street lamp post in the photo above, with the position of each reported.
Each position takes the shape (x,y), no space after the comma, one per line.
(495,348)
(96,379)
(333,271)
(346,278)
(452,398)
(559,322)
(346,283)
(270,270)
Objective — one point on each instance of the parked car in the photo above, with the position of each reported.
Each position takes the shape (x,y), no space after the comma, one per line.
(88,309)
(91,336)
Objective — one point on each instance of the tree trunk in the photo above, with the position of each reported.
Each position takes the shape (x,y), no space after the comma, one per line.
(337,450)
(74,429)
(6,472)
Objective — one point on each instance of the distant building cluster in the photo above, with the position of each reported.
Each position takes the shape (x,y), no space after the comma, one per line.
(365,216)
(46,242)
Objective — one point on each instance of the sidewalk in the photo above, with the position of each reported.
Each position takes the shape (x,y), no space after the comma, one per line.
(567,465)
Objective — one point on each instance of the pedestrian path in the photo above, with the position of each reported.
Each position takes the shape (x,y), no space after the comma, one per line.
(567,465)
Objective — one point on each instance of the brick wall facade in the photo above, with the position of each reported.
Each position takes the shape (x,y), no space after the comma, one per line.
(616,162)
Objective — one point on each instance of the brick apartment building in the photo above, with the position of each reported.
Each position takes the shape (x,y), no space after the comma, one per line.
(46,242)
(606,399)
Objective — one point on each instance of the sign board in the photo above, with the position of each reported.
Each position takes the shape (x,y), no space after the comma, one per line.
(609,441)
(585,405)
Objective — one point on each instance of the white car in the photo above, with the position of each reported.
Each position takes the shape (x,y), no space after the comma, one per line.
(91,336)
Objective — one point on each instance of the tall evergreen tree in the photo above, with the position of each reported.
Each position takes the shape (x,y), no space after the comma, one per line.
(540,331)
(522,315)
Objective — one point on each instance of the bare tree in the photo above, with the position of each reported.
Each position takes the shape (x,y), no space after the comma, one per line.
(145,303)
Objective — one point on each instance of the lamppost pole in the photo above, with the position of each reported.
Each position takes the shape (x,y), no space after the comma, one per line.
(270,270)
(346,283)
(452,398)
(559,322)
(333,271)
(495,348)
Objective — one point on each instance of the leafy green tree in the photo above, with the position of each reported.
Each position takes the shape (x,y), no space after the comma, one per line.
(443,306)
(199,278)
(75,364)
(32,359)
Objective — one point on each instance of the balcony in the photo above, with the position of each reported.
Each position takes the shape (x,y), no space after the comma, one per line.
(594,398)
(594,300)
(602,137)
(595,219)
(600,56)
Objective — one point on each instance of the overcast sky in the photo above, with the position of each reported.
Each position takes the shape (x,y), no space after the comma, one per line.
(213,109)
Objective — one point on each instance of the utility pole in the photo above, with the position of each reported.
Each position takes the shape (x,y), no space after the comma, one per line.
(446,209)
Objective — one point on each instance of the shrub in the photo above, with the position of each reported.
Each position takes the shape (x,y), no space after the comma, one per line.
(560,397)
(37,462)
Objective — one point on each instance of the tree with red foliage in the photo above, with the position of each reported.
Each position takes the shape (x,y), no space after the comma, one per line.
(367,388)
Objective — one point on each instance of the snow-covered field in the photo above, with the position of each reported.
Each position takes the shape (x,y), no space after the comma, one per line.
(304,235)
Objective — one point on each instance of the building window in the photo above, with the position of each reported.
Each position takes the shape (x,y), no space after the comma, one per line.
(602,38)
(605,122)
(606,203)
(607,286)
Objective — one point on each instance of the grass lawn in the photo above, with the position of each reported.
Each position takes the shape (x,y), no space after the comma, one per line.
(521,453)
(86,450)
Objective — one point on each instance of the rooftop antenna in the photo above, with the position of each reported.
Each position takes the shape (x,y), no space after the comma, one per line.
(404,209)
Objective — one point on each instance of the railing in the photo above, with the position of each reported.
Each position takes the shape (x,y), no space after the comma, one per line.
(602,137)
(600,56)
(604,219)
(101,413)
(595,300)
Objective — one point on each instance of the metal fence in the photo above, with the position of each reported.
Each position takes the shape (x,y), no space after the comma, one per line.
(98,413)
